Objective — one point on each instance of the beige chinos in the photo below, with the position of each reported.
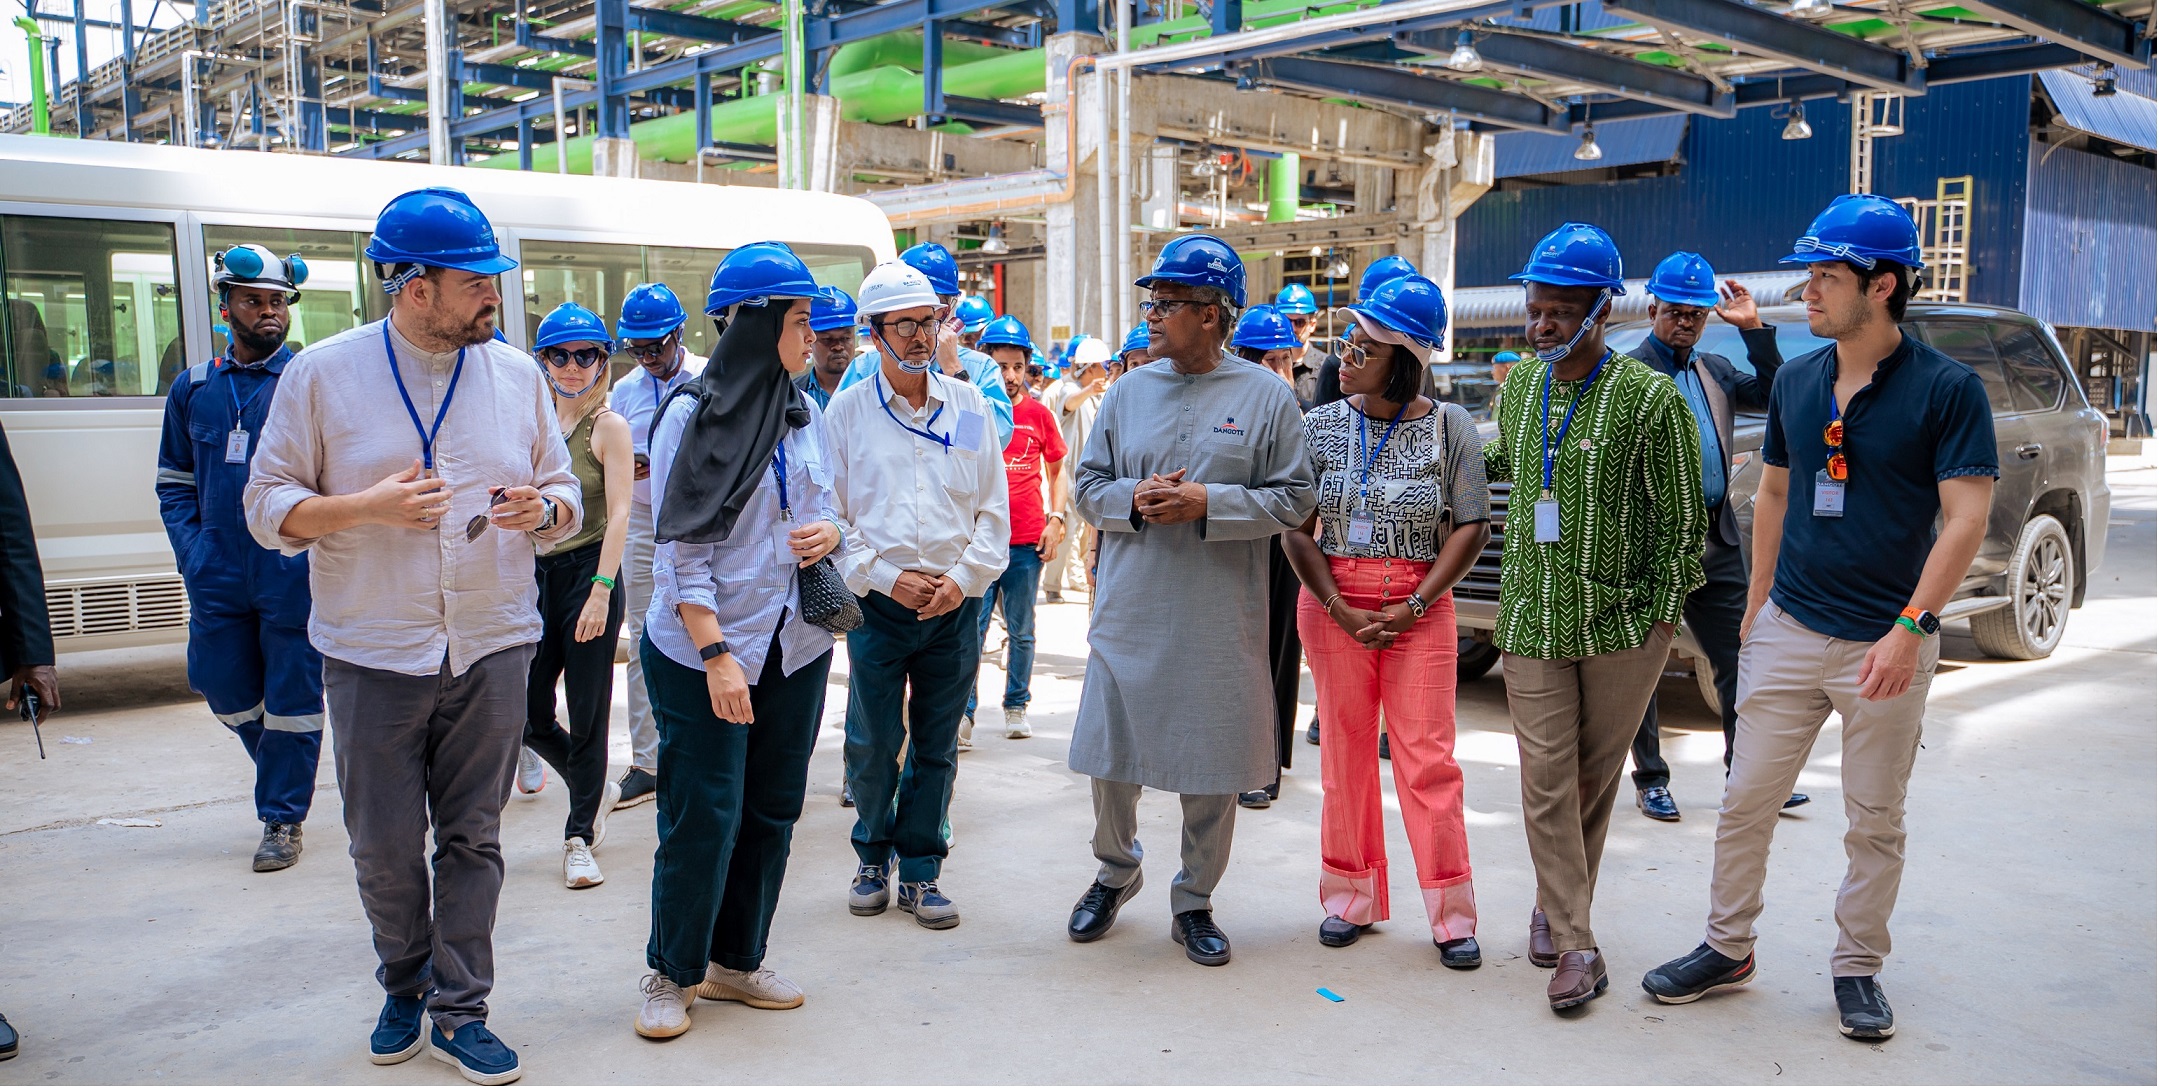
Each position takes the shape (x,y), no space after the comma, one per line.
(1790,678)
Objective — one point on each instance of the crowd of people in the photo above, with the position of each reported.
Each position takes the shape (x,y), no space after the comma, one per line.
(1240,496)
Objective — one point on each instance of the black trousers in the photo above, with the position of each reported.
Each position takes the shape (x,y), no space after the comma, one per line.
(587,671)
(1285,651)
(1713,613)
(729,797)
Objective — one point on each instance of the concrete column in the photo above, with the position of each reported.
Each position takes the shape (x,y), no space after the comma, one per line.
(821,123)
(1070,268)
(1458,171)
(614,157)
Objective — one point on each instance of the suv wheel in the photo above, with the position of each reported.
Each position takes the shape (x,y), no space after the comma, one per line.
(2042,581)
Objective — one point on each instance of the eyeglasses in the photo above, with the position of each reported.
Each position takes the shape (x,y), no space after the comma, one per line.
(1833,437)
(1164,307)
(908,327)
(1350,353)
(649,349)
(582,358)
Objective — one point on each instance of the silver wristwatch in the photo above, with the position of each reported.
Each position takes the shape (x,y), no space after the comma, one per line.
(547,515)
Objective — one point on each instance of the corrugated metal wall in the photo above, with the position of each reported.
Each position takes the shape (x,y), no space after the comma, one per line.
(2090,245)
(1743,193)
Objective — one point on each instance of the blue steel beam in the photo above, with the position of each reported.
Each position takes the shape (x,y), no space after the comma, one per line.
(545,44)
(1755,30)
(611,36)
(1379,30)
(700,28)
(1547,58)
(2086,28)
(1402,88)
(503,75)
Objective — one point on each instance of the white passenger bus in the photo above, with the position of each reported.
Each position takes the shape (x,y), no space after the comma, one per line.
(105,266)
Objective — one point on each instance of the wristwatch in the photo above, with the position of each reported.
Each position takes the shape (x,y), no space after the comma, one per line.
(547,515)
(1920,622)
(714,650)
(1417,607)
(1058,514)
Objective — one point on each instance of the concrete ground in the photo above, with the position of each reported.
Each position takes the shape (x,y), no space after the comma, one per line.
(2024,952)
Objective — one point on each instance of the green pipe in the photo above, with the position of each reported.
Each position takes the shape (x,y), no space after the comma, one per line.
(1284,175)
(40,104)
(903,49)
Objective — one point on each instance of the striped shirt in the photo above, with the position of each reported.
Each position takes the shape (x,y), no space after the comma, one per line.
(1628,477)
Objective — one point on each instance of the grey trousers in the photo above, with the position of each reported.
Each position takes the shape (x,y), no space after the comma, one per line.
(637,589)
(1209,822)
(416,753)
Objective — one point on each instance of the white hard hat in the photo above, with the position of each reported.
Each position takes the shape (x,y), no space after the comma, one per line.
(1090,350)
(893,286)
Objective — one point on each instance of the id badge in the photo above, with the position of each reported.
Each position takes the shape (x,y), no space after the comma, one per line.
(1547,511)
(1360,530)
(967,431)
(236,447)
(1828,496)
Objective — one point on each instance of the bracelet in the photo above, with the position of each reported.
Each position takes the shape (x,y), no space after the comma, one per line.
(604,580)
(1911,625)
(1329,606)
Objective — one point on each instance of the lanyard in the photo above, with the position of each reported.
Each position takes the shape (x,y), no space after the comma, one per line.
(427,436)
(239,410)
(779,474)
(1544,421)
(1364,480)
(942,440)
(659,393)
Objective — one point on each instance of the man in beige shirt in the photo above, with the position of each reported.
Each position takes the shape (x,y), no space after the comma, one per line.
(416,459)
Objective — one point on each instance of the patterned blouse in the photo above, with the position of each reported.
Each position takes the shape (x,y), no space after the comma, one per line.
(1428,477)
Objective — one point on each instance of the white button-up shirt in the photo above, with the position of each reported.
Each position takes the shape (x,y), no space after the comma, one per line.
(635,397)
(404,600)
(907,503)
(747,580)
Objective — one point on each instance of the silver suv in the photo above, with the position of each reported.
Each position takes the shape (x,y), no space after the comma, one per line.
(2048,529)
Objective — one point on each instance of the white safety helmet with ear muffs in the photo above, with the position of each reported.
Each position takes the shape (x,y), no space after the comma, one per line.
(251,265)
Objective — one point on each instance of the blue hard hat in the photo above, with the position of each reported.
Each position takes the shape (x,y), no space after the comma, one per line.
(1005,332)
(1295,299)
(436,228)
(833,309)
(650,311)
(1383,270)
(1507,357)
(1136,340)
(1264,328)
(1412,306)
(1686,279)
(570,322)
(1575,255)
(756,272)
(974,311)
(1199,260)
(935,261)
(1861,228)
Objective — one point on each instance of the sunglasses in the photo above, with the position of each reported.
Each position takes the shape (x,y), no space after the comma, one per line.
(582,358)
(1833,437)
(650,349)
(496,496)
(1164,307)
(1350,353)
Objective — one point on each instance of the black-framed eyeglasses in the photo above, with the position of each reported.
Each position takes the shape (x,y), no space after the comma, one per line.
(649,349)
(907,328)
(582,358)
(1350,354)
(1166,307)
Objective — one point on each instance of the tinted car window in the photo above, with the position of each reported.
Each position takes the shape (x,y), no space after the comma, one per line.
(1793,341)
(2035,380)
(1972,344)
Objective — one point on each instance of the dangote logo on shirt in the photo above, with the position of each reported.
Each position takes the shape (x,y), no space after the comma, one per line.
(1229,427)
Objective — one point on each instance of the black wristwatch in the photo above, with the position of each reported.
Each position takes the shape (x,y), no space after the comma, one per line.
(714,650)
(1417,607)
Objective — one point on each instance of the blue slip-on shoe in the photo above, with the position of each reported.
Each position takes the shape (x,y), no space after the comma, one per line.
(1657,804)
(476,1053)
(399,1030)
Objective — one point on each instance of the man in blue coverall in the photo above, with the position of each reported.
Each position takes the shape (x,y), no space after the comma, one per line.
(247,648)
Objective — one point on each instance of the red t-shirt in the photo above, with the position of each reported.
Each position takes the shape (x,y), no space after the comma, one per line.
(1035,440)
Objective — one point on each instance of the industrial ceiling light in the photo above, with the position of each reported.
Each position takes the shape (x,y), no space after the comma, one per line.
(1797,127)
(1465,57)
(2103,83)
(1810,9)
(1589,151)
(996,243)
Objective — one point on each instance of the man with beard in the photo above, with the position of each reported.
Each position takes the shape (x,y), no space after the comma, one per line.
(247,648)
(418,459)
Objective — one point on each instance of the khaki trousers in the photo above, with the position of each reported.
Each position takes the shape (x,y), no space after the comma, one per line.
(1790,678)
(1574,719)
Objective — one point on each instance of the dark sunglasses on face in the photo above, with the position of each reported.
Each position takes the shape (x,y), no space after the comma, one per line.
(651,349)
(582,358)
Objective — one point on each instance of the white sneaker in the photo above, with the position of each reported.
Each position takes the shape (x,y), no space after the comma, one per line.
(666,1012)
(1016,727)
(578,868)
(759,989)
(608,796)
(531,772)
(967,733)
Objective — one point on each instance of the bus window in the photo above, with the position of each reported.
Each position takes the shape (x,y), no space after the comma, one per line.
(687,272)
(93,307)
(590,274)
(837,266)
(341,291)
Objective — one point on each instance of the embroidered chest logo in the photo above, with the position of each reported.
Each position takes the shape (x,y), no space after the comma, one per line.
(1229,427)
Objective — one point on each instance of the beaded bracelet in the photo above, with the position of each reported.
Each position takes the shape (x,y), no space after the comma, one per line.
(604,580)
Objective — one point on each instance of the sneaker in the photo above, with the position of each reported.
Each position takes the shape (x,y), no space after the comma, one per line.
(759,989)
(1016,727)
(847,795)
(1051,596)
(666,1011)
(1862,1009)
(531,772)
(476,1053)
(967,733)
(399,1031)
(610,796)
(9,1041)
(578,868)
(637,786)
(929,906)
(1697,974)
(1311,732)
(280,847)
(872,890)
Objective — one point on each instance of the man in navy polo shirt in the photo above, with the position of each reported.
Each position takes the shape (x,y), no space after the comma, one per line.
(1867,440)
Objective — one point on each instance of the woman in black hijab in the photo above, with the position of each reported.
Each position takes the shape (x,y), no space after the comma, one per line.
(737,678)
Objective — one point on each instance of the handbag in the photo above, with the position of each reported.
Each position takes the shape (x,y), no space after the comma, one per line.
(826,600)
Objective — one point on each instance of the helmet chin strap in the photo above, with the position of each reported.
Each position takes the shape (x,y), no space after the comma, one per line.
(905,366)
(1553,355)
(559,390)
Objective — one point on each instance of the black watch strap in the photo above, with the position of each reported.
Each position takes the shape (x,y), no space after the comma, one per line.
(714,650)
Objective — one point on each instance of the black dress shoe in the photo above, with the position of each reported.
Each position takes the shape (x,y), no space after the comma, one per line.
(1254,799)
(1203,941)
(1383,752)
(8,1041)
(1657,804)
(1796,800)
(1862,1009)
(1311,733)
(1096,911)
(1462,954)
(1336,933)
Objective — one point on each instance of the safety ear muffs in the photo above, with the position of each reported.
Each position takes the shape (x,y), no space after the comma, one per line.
(295,270)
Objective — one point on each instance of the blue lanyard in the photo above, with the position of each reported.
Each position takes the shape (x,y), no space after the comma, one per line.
(779,474)
(659,393)
(239,410)
(1364,481)
(427,436)
(1544,421)
(882,399)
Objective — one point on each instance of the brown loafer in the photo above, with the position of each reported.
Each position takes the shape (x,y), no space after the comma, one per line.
(1541,952)
(1580,977)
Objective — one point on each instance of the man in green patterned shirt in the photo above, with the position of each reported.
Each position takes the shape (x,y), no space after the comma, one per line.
(1603,544)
